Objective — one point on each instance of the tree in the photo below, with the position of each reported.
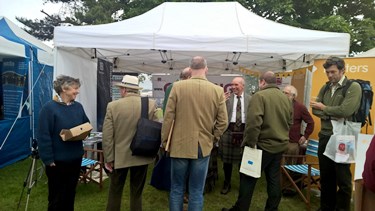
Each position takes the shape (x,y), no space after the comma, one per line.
(354,17)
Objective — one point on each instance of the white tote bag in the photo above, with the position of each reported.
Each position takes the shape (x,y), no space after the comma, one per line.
(251,162)
(341,147)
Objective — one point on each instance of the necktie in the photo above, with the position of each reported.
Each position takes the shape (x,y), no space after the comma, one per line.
(238,114)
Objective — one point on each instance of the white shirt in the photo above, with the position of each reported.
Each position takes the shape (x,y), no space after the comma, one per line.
(334,87)
(234,109)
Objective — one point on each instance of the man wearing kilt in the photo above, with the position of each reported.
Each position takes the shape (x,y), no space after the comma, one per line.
(230,143)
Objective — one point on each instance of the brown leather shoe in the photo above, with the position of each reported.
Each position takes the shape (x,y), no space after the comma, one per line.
(226,188)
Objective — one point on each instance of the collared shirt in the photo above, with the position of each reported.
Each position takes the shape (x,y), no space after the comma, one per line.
(58,99)
(339,84)
(234,109)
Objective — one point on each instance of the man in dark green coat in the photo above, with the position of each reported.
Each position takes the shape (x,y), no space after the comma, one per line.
(268,119)
(185,74)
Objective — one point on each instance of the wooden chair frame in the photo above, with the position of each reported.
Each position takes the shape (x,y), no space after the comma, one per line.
(308,177)
(96,165)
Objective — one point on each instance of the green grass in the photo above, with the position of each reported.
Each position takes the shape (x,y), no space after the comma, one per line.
(89,197)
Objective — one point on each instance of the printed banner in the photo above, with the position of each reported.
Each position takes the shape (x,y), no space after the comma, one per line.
(161,82)
(1,93)
(14,81)
(104,75)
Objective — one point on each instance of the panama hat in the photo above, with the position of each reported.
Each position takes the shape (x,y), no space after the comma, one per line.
(129,81)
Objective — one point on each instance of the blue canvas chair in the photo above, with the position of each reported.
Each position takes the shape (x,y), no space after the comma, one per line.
(309,174)
(92,167)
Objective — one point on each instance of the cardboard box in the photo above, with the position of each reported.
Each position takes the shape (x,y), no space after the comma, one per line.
(76,133)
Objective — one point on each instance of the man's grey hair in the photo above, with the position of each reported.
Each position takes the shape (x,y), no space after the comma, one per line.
(185,73)
(293,90)
(269,77)
(198,63)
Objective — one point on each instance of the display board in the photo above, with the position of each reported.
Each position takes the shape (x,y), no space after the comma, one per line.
(104,75)
(14,82)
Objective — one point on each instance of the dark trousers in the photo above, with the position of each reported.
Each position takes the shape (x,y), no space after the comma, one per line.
(137,182)
(227,167)
(62,183)
(332,175)
(271,168)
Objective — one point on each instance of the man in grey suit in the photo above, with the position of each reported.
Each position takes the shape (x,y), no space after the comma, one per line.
(196,110)
(120,125)
(230,143)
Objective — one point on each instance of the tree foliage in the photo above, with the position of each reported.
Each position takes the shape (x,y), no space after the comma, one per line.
(353,17)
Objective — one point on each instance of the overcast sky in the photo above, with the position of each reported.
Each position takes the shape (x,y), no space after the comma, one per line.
(31,9)
(26,8)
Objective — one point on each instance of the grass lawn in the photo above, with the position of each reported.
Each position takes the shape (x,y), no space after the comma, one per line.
(90,198)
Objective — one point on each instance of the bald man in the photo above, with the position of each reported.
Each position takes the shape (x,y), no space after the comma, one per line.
(230,143)
(297,140)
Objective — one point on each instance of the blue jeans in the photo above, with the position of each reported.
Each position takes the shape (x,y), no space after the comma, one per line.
(196,169)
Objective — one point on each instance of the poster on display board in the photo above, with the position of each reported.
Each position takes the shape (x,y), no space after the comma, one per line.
(1,94)
(355,68)
(161,82)
(14,85)
(104,72)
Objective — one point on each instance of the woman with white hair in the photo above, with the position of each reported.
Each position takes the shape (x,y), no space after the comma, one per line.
(61,158)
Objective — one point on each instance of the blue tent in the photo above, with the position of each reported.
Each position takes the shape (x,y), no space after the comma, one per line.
(26,84)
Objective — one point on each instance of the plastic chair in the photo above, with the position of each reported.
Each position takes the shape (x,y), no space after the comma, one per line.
(309,174)
(92,169)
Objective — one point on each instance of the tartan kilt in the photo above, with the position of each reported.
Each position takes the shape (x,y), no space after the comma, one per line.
(213,171)
(229,153)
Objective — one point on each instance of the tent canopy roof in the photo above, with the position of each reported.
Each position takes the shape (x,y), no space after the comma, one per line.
(369,53)
(15,42)
(227,34)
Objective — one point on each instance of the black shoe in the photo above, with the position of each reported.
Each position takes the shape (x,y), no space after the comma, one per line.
(226,188)
(225,209)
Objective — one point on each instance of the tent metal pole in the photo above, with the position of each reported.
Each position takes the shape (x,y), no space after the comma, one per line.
(31,95)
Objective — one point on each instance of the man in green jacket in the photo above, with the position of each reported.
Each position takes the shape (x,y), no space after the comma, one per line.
(268,119)
(331,104)
(185,74)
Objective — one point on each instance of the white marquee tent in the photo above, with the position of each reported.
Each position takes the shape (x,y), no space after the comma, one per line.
(164,39)
(369,53)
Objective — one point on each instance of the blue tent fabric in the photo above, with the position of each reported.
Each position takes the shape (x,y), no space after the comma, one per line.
(8,34)
(17,145)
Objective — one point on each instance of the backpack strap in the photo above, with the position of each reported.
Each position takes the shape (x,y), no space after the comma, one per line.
(346,87)
(326,87)
(144,109)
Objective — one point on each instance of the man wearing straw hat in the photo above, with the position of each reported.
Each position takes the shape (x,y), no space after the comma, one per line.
(120,125)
